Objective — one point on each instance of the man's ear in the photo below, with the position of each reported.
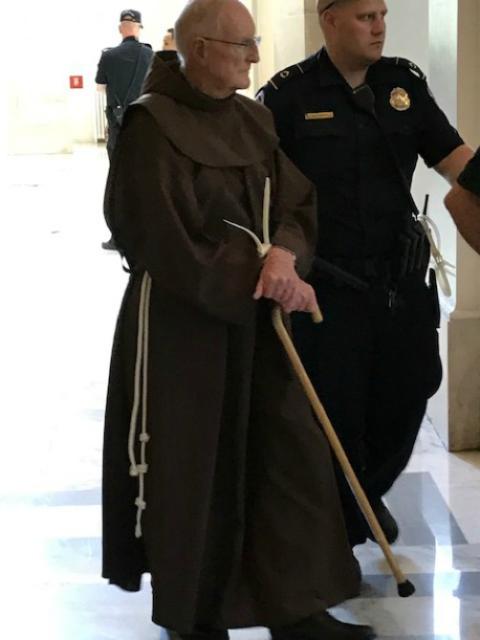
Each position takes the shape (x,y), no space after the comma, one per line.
(200,49)
(328,18)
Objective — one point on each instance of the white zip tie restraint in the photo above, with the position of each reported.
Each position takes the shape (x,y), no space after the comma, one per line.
(441,266)
(140,394)
(262,247)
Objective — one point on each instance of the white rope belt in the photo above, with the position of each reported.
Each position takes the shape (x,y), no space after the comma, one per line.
(140,395)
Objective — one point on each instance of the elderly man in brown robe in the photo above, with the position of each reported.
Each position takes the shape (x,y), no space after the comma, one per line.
(217,480)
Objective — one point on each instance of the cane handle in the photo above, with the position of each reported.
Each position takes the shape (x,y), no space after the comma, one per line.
(317,316)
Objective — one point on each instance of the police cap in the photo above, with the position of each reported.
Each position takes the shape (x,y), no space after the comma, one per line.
(131,15)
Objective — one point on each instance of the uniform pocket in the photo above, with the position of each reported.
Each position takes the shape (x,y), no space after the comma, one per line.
(413,344)
(323,149)
(318,129)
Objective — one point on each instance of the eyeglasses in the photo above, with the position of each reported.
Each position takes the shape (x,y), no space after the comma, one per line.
(248,43)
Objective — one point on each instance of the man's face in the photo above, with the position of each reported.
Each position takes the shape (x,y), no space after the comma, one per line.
(360,29)
(168,42)
(228,65)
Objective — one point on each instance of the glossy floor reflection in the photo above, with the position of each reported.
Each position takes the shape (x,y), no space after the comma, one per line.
(61,294)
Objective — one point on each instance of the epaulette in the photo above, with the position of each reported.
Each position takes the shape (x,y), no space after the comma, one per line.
(406,64)
(293,71)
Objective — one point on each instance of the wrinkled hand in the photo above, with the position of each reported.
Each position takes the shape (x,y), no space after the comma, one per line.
(280,282)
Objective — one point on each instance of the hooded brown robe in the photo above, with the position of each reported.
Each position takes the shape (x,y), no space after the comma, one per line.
(242,525)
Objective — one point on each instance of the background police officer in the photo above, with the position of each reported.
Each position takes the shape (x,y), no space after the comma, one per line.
(355,124)
(121,71)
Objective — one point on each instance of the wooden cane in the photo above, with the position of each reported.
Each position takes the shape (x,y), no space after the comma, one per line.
(405,587)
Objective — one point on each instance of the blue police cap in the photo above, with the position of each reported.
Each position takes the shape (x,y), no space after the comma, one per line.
(131,15)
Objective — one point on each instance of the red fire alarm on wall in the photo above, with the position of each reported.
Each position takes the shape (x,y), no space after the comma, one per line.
(76,82)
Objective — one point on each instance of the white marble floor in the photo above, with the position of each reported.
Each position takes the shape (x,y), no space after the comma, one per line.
(60,298)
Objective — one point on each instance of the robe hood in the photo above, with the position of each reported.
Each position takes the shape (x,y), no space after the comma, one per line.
(229,132)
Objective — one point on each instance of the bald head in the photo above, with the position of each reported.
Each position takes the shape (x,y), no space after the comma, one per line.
(217,45)
(205,18)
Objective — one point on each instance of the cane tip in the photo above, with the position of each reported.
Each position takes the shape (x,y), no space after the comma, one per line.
(317,316)
(406,589)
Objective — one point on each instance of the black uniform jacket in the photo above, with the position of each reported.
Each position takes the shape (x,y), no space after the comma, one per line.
(353,158)
(116,69)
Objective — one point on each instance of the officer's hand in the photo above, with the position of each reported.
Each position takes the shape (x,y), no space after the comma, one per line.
(280,282)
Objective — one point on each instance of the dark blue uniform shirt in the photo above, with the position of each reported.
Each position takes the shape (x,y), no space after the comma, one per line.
(347,153)
(116,69)
(469,179)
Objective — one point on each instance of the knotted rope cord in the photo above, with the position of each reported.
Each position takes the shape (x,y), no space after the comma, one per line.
(262,247)
(140,394)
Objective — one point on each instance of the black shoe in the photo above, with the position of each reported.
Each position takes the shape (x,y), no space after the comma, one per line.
(386,521)
(323,626)
(109,245)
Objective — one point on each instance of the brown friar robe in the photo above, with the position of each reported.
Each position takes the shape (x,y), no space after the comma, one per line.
(242,524)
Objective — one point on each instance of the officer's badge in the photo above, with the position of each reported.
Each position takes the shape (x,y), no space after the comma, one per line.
(400,100)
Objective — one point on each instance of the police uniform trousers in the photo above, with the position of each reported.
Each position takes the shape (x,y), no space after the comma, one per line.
(374,362)
(113,132)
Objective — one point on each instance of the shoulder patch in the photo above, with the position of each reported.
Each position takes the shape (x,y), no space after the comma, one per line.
(406,64)
(294,71)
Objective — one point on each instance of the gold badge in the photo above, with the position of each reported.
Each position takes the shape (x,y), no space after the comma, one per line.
(400,100)
(321,115)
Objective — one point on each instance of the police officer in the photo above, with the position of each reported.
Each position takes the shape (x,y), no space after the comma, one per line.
(121,71)
(355,123)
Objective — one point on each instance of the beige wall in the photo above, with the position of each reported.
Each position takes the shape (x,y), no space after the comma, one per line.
(282,27)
